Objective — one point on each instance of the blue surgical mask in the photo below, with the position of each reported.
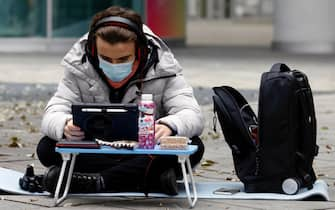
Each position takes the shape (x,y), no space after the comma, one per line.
(116,72)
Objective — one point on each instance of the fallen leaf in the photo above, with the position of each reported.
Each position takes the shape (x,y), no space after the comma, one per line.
(214,135)
(67,205)
(23,117)
(32,155)
(324,128)
(329,147)
(15,142)
(33,199)
(203,138)
(10,118)
(206,163)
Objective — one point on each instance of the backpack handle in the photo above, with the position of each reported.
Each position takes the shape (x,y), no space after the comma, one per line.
(280,67)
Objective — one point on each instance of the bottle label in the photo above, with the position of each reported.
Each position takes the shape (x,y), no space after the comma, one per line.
(146,123)
(147,108)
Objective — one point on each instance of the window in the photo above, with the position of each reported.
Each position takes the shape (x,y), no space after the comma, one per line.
(23,18)
(72,18)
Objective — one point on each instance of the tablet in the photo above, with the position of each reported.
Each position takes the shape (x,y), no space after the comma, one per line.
(107,122)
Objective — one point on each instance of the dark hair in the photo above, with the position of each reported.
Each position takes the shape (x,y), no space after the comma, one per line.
(114,34)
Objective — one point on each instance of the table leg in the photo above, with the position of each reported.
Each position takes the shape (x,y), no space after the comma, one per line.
(66,158)
(184,160)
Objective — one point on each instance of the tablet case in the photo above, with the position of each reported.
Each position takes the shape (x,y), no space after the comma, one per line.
(108,122)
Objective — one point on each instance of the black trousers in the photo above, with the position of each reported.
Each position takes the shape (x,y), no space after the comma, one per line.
(120,172)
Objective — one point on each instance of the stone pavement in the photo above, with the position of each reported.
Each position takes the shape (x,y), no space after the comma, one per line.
(28,80)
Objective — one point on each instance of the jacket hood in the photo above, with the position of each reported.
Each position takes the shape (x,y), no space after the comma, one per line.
(166,66)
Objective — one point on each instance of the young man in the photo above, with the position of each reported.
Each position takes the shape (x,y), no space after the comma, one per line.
(119,59)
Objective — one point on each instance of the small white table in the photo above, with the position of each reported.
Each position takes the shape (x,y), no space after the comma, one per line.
(69,154)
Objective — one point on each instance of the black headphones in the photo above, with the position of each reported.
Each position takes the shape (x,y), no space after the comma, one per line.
(91,50)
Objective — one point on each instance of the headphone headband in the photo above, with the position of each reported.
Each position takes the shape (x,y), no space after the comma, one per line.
(117,19)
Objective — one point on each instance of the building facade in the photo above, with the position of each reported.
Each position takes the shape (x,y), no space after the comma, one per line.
(53,25)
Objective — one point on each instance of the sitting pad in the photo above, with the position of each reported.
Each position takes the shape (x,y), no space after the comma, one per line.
(9,184)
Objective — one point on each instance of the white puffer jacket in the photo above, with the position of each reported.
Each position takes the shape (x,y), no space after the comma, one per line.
(174,99)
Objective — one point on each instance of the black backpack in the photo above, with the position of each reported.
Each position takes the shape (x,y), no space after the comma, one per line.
(279,159)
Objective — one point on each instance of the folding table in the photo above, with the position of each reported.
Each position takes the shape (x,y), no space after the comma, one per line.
(70,154)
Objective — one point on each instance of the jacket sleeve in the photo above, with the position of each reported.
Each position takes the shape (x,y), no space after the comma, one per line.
(58,109)
(183,111)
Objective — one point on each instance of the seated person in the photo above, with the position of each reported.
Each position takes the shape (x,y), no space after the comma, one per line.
(117,60)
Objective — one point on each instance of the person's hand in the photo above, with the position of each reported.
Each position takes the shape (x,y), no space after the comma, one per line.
(72,132)
(162,130)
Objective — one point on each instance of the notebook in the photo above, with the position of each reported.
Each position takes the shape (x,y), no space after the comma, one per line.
(107,122)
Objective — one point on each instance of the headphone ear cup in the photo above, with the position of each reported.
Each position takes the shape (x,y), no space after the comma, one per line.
(89,46)
(93,48)
(91,51)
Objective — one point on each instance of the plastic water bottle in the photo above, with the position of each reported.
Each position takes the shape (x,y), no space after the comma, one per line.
(146,122)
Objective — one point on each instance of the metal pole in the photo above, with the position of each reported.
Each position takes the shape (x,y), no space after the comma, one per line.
(49,19)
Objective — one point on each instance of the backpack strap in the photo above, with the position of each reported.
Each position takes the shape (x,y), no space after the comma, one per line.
(236,118)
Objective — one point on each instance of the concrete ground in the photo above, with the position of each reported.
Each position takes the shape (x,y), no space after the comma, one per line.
(28,80)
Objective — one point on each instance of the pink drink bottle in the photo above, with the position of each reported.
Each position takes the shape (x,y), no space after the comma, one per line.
(146,122)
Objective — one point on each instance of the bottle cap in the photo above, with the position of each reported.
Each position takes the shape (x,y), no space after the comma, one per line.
(146,97)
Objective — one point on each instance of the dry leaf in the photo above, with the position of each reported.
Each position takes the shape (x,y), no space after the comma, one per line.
(204,138)
(10,118)
(214,135)
(32,129)
(208,163)
(324,128)
(67,205)
(32,155)
(23,117)
(329,147)
(15,142)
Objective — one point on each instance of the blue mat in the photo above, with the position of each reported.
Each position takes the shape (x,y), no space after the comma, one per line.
(232,190)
